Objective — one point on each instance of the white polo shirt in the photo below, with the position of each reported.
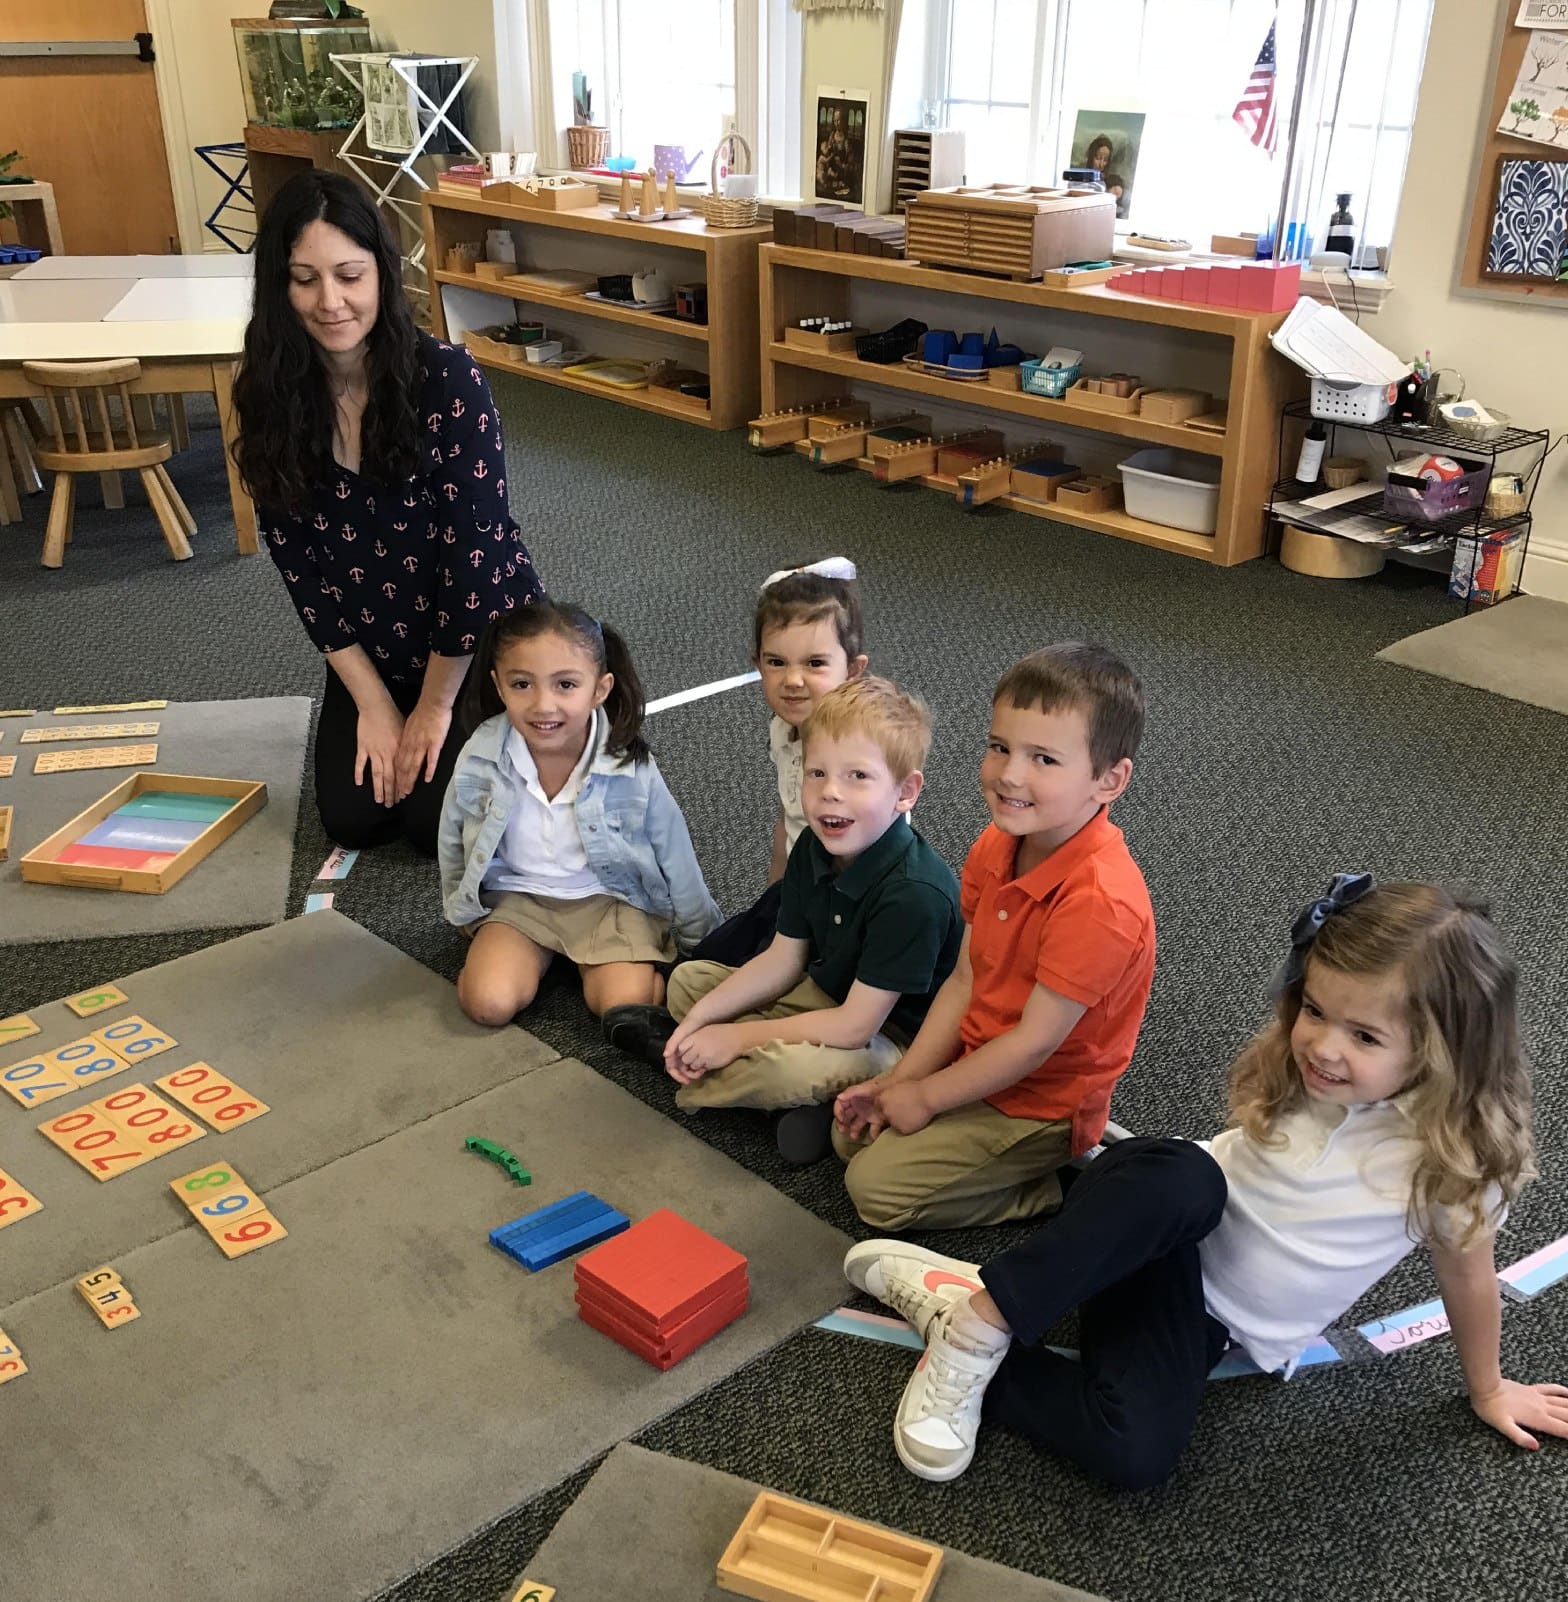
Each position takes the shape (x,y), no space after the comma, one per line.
(541,851)
(1309,1226)
(789,757)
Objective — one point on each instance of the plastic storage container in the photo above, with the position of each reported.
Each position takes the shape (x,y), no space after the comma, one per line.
(1351,403)
(1431,500)
(1035,378)
(1167,486)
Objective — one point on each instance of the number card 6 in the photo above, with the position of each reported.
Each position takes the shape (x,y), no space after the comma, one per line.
(260,1229)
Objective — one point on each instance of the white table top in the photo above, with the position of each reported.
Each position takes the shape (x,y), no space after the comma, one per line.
(94,319)
(213,265)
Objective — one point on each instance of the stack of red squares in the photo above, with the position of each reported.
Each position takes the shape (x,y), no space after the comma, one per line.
(661,1288)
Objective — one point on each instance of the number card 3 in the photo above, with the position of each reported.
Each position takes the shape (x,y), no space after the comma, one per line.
(260,1229)
(91,1001)
(201,1089)
(16,1200)
(55,1073)
(145,1119)
(11,1364)
(134,1038)
(99,1145)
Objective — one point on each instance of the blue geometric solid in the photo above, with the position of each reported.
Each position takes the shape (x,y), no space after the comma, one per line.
(548,1234)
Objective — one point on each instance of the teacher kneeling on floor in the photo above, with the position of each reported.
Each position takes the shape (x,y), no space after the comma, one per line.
(374,456)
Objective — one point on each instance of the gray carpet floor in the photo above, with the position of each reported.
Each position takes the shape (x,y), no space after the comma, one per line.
(1278,751)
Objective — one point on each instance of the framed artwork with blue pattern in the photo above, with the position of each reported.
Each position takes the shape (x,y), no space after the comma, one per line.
(1529,233)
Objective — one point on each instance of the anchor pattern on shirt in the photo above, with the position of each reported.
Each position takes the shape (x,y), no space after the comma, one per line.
(420,569)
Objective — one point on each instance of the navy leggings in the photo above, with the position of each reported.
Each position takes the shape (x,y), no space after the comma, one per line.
(1123,1250)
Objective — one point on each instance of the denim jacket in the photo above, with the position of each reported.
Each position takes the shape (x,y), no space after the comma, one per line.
(633,832)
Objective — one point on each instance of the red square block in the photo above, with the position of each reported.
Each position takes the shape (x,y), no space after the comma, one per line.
(1224,286)
(663,1267)
(1267,286)
(682,1340)
(1195,284)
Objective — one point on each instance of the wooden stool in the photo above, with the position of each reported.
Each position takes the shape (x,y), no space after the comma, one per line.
(100,447)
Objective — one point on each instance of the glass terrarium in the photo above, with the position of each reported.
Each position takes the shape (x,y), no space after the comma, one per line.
(287,73)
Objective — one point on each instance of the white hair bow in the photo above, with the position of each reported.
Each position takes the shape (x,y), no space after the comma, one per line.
(833,567)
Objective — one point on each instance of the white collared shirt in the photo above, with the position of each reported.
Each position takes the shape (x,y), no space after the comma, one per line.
(541,850)
(789,757)
(1308,1226)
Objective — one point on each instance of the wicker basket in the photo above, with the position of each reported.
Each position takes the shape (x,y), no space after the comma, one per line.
(721,211)
(587,147)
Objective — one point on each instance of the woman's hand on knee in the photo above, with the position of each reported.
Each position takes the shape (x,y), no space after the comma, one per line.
(419,747)
(379,732)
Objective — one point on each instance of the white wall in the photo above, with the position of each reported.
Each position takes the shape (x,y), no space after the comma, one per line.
(1512,356)
(842,50)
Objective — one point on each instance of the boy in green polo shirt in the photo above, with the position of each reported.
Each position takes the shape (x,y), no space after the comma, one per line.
(868,930)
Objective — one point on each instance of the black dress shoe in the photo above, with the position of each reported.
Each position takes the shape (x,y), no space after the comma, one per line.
(639,1030)
(804,1135)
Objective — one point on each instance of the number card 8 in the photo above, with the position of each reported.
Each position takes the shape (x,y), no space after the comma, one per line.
(134,1038)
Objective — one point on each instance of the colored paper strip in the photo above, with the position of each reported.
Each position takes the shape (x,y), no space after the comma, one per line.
(143,833)
(1535,1273)
(86,856)
(338,863)
(320,901)
(1408,1328)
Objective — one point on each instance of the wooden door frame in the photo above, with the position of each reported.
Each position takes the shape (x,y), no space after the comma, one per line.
(176,134)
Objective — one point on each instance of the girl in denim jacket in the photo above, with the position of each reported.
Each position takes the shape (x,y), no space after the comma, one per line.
(558,834)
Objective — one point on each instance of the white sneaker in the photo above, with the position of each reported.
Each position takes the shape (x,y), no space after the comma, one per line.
(939,1413)
(917,1284)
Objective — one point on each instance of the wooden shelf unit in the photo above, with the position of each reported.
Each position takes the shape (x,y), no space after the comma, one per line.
(805,283)
(726,346)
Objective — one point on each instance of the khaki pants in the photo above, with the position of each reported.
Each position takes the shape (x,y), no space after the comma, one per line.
(973,1165)
(777,1074)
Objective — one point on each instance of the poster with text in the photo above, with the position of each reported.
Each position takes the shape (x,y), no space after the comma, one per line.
(1538,102)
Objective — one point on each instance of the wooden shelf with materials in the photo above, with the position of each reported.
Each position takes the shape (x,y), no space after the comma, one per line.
(799,283)
(597,242)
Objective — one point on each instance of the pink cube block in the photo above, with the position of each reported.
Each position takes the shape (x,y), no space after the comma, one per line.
(1132,283)
(1122,282)
(1195,284)
(1224,286)
(1171,282)
(1269,286)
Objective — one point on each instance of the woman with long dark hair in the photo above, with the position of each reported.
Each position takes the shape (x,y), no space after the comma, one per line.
(374,455)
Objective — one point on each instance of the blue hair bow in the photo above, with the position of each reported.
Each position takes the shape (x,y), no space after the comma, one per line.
(1344,890)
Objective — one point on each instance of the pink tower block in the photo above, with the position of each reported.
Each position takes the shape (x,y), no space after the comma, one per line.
(1195,285)
(1224,286)
(1270,287)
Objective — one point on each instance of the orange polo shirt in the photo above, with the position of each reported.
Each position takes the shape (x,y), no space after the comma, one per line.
(1080,924)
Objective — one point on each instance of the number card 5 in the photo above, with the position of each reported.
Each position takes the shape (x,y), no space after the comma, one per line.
(201,1089)
(134,1038)
(16,1200)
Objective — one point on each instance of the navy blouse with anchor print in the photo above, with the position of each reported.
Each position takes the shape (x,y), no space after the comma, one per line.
(420,568)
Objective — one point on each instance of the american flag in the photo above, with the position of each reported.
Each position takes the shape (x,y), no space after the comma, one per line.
(1255,110)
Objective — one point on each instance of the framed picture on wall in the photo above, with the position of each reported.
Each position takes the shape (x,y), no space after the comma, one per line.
(1529,237)
(839,164)
(1109,141)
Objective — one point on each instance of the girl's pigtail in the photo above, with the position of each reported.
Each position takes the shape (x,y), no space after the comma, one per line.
(481,699)
(624,705)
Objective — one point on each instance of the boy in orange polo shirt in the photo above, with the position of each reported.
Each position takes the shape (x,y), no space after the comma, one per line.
(1011,1073)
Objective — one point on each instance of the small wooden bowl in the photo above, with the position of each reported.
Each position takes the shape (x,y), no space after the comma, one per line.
(1339,472)
(1328,556)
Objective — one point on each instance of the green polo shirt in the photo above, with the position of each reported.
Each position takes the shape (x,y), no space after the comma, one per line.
(890,919)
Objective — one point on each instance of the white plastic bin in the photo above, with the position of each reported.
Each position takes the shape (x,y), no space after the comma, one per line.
(1167,486)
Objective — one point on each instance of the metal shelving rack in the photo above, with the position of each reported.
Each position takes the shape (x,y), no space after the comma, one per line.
(1473,524)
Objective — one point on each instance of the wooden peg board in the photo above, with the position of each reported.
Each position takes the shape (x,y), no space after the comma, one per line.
(98,756)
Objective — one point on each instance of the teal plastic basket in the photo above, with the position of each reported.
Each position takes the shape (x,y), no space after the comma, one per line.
(1038,379)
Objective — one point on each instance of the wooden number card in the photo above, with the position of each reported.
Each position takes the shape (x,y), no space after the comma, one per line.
(201,1089)
(111,706)
(96,1143)
(101,1279)
(85,731)
(11,1364)
(96,756)
(16,1200)
(260,1229)
(7,766)
(17,1027)
(225,1208)
(134,1039)
(6,814)
(146,1119)
(100,1000)
(54,1073)
(195,1187)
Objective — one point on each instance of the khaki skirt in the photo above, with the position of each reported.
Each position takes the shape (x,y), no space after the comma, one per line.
(591,930)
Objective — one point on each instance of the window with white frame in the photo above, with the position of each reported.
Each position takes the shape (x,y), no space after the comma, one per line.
(1023,77)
